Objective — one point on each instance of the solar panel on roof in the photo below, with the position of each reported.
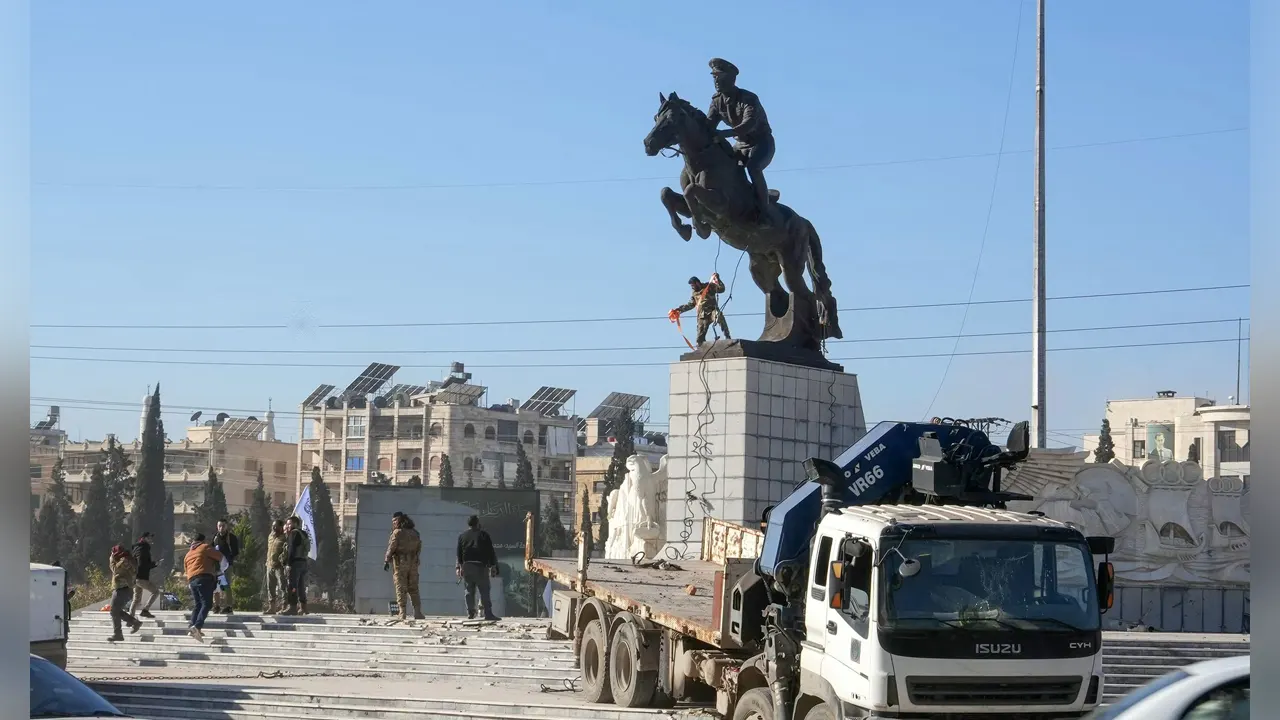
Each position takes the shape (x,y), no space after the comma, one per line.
(242,428)
(548,400)
(313,400)
(373,377)
(618,404)
(460,394)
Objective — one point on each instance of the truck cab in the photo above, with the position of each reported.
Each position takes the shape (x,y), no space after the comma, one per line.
(913,611)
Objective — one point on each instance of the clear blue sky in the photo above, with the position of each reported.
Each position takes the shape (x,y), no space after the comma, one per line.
(221,165)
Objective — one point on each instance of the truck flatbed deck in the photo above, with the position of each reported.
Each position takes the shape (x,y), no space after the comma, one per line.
(654,594)
(661,594)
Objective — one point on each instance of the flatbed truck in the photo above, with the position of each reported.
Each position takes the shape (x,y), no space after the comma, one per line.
(908,606)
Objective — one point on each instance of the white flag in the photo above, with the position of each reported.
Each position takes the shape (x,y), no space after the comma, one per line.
(303,510)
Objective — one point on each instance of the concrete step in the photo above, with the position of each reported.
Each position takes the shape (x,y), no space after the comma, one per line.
(221,702)
(347,651)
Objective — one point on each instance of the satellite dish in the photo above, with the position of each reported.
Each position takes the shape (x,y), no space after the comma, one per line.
(332,403)
(196,416)
(223,417)
(380,401)
(253,418)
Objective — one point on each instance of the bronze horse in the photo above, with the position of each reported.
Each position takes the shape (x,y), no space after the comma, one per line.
(716,195)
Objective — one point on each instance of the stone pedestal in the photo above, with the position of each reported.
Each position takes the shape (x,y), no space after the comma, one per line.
(741,427)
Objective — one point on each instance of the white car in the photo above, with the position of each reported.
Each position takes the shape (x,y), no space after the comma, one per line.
(1209,690)
(56,694)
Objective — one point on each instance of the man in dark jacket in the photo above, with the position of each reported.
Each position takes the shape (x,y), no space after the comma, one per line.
(225,542)
(141,552)
(297,555)
(476,562)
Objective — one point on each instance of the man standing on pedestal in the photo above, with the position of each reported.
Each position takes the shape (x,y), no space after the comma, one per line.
(477,562)
(708,305)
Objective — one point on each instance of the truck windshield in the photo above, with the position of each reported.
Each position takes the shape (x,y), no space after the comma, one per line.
(990,585)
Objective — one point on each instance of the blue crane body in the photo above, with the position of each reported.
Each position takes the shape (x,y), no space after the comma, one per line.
(876,469)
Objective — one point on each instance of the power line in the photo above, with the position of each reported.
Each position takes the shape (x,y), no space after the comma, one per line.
(991,204)
(640,348)
(606,181)
(643,318)
(214,363)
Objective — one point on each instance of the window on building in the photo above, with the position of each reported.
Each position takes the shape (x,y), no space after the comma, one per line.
(384,464)
(469,431)
(248,498)
(595,517)
(417,432)
(277,499)
(435,463)
(355,426)
(1229,449)
(36,472)
(355,461)
(436,430)
(282,468)
(597,487)
(416,464)
(250,465)
(404,464)
(35,501)
(467,464)
(490,433)
(528,437)
(1139,449)
(542,436)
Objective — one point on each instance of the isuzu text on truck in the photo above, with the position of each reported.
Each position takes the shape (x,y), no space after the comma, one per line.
(891,584)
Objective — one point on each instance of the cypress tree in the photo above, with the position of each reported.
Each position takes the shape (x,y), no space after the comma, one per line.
(120,486)
(165,542)
(524,470)
(551,533)
(446,471)
(326,530)
(260,512)
(96,536)
(149,491)
(1106,450)
(214,508)
(53,534)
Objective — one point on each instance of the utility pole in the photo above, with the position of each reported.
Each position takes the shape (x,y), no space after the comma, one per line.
(1239,344)
(1039,427)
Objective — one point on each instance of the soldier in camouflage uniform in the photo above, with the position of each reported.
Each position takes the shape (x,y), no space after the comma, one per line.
(704,299)
(277,567)
(742,112)
(404,553)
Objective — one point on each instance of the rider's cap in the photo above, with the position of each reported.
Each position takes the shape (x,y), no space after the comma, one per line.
(694,280)
(719,65)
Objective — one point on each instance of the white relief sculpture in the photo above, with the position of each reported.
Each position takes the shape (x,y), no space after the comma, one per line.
(635,522)
(1170,524)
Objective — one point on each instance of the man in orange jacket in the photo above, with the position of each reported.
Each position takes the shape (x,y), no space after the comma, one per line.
(203,564)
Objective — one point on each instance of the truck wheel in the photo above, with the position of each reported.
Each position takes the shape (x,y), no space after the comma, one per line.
(755,704)
(821,711)
(633,686)
(593,660)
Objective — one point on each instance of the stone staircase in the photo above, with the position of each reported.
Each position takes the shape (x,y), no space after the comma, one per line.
(347,666)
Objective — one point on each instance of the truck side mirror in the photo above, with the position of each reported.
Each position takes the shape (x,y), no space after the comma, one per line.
(1101,544)
(1106,586)
(840,590)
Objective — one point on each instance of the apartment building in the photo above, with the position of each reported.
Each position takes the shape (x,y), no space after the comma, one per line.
(376,432)
(236,448)
(1173,427)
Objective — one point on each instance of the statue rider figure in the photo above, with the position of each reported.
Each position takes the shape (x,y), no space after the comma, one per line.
(742,112)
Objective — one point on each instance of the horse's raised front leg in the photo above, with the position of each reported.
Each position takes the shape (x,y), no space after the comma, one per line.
(697,197)
(676,206)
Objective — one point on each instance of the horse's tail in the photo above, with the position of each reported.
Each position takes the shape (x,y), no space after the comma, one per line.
(828,316)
